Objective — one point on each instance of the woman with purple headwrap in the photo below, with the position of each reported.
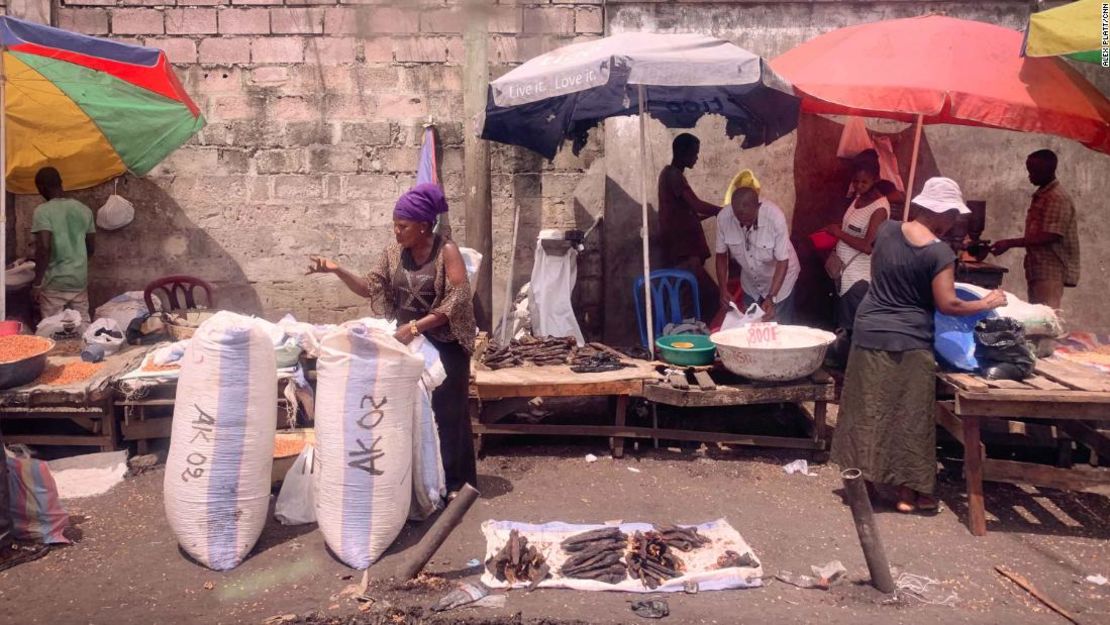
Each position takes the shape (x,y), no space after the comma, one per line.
(421,283)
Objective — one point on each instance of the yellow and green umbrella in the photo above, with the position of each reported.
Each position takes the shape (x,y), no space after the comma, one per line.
(91,108)
(1073,30)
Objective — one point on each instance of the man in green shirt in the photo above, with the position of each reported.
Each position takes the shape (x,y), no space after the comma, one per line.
(64,232)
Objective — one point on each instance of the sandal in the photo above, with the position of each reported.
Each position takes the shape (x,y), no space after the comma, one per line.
(906,500)
(927,503)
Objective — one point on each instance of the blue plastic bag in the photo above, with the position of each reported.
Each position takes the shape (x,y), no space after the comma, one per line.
(954,340)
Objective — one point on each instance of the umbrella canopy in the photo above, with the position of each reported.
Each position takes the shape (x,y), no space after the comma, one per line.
(565,92)
(92,108)
(1073,30)
(942,70)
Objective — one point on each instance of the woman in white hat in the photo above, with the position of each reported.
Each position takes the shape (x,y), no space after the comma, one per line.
(886,426)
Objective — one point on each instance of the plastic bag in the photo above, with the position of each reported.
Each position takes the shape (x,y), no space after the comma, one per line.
(116,213)
(296,501)
(62,325)
(736,319)
(472,260)
(854,139)
(553,278)
(1002,351)
(36,513)
(105,333)
(20,273)
(126,307)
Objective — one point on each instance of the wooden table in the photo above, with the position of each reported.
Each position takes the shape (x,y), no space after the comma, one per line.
(145,408)
(1068,395)
(559,381)
(86,406)
(717,387)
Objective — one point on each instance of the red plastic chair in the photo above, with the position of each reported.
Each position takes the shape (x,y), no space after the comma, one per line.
(172,286)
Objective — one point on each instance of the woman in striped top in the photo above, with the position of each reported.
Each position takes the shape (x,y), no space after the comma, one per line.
(856,234)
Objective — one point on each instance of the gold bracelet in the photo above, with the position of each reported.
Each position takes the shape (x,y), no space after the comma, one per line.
(412,328)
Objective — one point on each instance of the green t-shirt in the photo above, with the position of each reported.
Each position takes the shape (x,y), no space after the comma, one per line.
(67,221)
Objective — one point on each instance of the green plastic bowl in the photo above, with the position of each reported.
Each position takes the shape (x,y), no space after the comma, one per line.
(702,353)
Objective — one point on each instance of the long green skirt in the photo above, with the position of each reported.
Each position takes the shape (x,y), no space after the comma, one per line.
(887,424)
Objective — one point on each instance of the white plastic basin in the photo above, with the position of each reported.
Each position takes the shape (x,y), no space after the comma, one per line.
(771,352)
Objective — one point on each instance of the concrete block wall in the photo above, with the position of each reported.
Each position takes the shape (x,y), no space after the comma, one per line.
(315,113)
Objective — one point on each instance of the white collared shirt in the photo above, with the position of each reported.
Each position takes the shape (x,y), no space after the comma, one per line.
(758,248)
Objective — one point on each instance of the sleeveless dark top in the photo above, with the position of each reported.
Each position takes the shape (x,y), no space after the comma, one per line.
(414,286)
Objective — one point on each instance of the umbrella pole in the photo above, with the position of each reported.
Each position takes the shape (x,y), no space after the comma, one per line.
(913,164)
(650,323)
(3,190)
(505,334)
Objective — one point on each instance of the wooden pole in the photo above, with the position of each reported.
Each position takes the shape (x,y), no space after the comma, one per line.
(649,322)
(476,163)
(913,165)
(439,531)
(3,188)
(506,336)
(869,539)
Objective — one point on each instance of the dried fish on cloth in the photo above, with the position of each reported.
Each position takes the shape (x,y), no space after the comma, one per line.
(603,557)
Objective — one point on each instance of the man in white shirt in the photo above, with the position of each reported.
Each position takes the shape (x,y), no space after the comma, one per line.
(755,234)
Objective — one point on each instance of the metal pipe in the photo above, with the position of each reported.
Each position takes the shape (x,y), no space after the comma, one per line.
(439,531)
(869,538)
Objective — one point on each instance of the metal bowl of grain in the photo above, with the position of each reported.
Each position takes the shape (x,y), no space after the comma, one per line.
(182,324)
(22,359)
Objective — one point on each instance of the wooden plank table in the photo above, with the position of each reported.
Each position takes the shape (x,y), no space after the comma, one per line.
(559,381)
(1061,392)
(718,387)
(85,405)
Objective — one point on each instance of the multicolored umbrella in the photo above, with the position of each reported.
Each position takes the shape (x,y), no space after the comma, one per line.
(1073,30)
(92,108)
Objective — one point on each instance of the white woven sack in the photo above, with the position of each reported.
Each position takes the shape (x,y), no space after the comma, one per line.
(365,396)
(428,482)
(116,213)
(217,483)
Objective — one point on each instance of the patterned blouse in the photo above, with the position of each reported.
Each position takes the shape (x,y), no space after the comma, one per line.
(400,290)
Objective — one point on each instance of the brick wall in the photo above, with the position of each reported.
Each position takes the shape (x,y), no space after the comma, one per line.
(315,111)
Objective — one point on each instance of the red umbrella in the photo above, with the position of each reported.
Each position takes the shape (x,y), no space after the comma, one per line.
(942,70)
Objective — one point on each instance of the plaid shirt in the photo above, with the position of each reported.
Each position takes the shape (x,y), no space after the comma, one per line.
(1052,211)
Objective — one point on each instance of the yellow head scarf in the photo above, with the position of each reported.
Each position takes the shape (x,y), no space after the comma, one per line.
(743,179)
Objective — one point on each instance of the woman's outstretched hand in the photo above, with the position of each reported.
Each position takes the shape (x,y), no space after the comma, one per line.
(319,264)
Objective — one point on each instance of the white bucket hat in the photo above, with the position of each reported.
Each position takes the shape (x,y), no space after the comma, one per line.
(941,195)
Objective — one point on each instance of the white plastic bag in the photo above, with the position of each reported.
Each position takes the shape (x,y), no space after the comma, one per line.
(366,393)
(116,213)
(472,259)
(110,343)
(20,274)
(296,502)
(854,139)
(126,307)
(553,279)
(217,482)
(736,319)
(68,322)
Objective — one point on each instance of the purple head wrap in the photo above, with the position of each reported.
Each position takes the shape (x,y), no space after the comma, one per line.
(421,203)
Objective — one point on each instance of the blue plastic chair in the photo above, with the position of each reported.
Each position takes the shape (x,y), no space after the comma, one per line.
(666,299)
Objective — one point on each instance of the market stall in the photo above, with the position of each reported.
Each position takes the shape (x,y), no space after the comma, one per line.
(1074,398)
(619,380)
(71,403)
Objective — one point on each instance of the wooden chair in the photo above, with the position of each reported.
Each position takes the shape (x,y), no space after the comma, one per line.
(172,286)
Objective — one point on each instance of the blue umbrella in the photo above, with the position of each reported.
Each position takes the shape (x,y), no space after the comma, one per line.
(676,79)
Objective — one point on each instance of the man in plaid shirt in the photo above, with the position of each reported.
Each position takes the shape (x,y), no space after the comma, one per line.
(1051,238)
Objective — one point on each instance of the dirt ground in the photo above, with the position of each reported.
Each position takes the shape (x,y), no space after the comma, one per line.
(127,567)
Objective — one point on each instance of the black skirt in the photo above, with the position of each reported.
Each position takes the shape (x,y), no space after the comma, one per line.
(449,401)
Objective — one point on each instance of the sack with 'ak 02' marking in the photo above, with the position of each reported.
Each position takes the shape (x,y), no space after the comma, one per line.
(217,484)
(366,391)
